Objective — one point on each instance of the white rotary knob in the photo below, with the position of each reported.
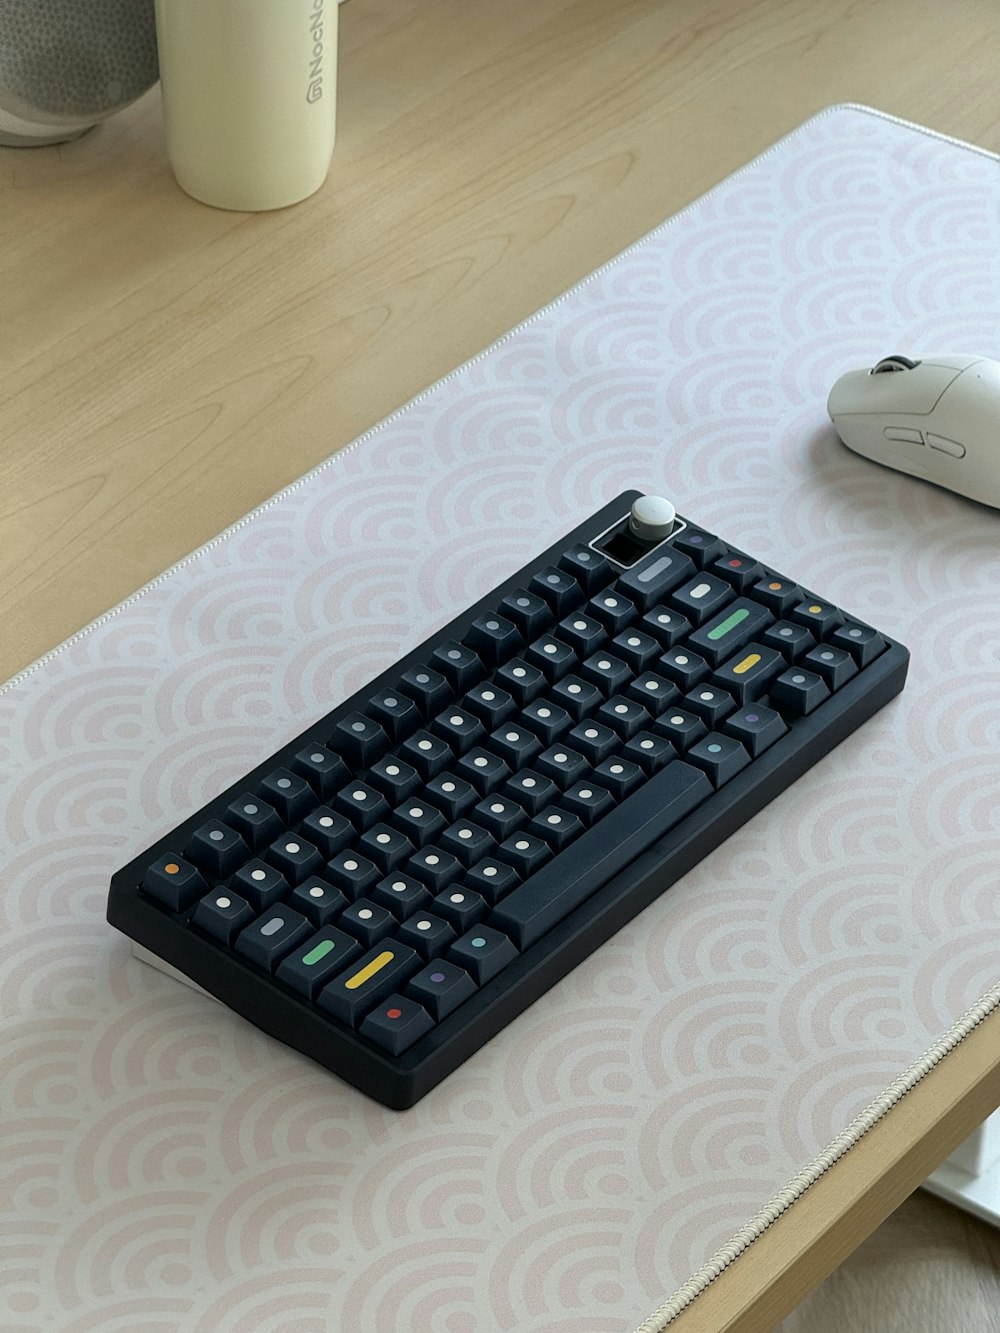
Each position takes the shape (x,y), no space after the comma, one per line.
(652,518)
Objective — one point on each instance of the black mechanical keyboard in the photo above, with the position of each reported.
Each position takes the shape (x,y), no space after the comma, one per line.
(400,881)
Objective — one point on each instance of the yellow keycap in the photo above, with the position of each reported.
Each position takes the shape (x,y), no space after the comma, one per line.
(376,965)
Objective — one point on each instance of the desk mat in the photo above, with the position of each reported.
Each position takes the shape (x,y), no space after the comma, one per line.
(168,1167)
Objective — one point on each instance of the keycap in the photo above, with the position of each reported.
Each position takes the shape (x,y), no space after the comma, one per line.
(396,1024)
(620,776)
(500,817)
(459,728)
(316,900)
(428,689)
(418,821)
(452,795)
(402,895)
(835,665)
(359,739)
(635,648)
(558,588)
(820,618)
(701,597)
(361,804)
(222,914)
(262,885)
(254,820)
(556,826)
(490,704)
(515,744)
(467,841)
(352,873)
(396,715)
(593,740)
(610,674)
(308,968)
(684,667)
(482,952)
(650,752)
(748,674)
(733,628)
(777,594)
(561,765)
(428,754)
(623,715)
(577,696)
(367,922)
(791,640)
(460,906)
(531,791)
(654,692)
(174,882)
(582,633)
(493,639)
(718,755)
(491,879)
(700,546)
(738,570)
(267,940)
(665,625)
(588,801)
(522,681)
(653,578)
(528,612)
(798,691)
(440,987)
(322,769)
(434,867)
(386,847)
(483,770)
(368,980)
(395,779)
(550,894)
(546,720)
(551,656)
(709,703)
(590,569)
(756,728)
(329,831)
(426,934)
(459,665)
(294,857)
(861,641)
(613,609)
(680,728)
(288,793)
(525,852)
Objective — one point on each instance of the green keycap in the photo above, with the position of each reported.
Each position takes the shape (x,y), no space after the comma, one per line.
(321,950)
(729,623)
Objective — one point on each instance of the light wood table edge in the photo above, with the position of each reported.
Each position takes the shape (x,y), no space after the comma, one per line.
(847,1203)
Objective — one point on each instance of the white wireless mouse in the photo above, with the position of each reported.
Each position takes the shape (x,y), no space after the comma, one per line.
(937,418)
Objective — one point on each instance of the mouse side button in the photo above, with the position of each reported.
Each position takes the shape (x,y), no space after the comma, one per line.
(946,446)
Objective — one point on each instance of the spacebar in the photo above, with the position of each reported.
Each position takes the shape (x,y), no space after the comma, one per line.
(569,879)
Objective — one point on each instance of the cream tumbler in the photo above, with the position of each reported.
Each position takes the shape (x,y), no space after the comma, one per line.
(249,98)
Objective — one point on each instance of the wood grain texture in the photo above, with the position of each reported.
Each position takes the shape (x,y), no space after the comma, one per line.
(928,1267)
(164,367)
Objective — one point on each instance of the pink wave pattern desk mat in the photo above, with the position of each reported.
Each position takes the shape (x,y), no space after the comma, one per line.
(168,1167)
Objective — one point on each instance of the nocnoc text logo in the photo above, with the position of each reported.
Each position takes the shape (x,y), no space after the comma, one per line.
(316,34)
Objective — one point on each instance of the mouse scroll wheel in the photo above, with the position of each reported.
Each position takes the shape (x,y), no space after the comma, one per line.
(893,363)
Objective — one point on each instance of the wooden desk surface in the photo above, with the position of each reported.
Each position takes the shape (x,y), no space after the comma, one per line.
(165,366)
